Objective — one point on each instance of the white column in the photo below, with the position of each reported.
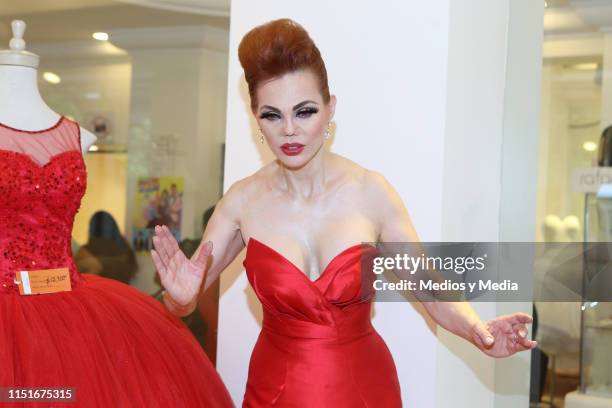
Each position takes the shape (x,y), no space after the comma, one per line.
(490,174)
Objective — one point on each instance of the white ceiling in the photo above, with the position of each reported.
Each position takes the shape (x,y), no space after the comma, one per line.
(220,8)
(564,21)
(12,7)
(210,7)
(577,17)
(76,20)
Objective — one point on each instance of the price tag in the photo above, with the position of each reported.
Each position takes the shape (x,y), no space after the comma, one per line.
(43,281)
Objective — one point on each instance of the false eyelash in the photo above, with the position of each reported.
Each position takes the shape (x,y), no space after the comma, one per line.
(268,115)
(309,111)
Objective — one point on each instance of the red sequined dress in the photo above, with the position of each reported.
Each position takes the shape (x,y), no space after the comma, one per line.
(116,346)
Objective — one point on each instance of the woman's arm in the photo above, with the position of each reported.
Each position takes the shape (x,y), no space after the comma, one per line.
(499,337)
(223,231)
(182,278)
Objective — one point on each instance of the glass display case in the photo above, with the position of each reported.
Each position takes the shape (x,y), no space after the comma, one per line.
(596,324)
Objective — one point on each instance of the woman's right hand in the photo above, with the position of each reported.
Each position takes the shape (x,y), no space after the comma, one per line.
(181,277)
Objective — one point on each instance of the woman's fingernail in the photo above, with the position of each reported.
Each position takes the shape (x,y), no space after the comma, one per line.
(522,332)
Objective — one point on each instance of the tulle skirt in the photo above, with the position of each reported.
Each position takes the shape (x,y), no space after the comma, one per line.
(116,346)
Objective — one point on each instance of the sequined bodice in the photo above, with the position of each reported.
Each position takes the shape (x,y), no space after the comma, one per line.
(39,200)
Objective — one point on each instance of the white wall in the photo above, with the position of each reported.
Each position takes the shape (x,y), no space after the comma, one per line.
(389,97)
(474,116)
(389,67)
(490,173)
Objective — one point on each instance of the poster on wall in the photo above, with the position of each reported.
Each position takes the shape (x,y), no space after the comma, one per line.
(158,201)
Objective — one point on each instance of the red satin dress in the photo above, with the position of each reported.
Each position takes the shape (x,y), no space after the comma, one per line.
(317,347)
(117,346)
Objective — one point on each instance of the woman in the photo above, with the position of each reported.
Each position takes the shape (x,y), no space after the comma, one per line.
(302,217)
(106,253)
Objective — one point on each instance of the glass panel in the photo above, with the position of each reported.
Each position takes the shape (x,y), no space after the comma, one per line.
(570,130)
(154,95)
(596,360)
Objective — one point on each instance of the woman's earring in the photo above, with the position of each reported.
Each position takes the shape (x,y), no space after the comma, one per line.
(261,136)
(327,131)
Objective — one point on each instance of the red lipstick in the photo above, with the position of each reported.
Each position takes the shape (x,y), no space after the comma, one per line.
(292,149)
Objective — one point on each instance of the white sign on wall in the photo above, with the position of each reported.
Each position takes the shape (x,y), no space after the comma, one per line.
(589,179)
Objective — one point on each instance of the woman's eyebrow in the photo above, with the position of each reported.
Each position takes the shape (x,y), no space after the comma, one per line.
(272,108)
(299,105)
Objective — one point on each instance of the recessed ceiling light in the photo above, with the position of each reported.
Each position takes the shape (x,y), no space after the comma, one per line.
(589,146)
(52,78)
(545,3)
(100,36)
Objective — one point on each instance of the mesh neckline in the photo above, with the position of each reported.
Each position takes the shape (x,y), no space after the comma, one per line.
(59,122)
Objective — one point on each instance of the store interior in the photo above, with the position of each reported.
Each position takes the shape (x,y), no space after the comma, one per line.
(574,336)
(150,80)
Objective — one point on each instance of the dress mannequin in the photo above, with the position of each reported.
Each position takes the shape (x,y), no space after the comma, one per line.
(115,345)
(21,105)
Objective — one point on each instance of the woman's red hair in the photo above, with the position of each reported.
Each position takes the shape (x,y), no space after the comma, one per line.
(277,48)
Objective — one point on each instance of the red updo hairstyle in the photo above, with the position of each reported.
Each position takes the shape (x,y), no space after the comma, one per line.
(277,48)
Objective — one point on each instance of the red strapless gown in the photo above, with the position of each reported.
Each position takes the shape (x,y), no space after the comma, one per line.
(117,346)
(317,347)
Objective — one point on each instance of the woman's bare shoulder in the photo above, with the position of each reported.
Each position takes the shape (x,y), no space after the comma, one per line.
(246,189)
(368,180)
(346,170)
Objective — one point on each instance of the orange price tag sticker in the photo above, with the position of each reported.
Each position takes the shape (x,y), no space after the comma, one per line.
(43,281)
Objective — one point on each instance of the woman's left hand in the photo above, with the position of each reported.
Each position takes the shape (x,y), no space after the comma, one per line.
(504,335)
